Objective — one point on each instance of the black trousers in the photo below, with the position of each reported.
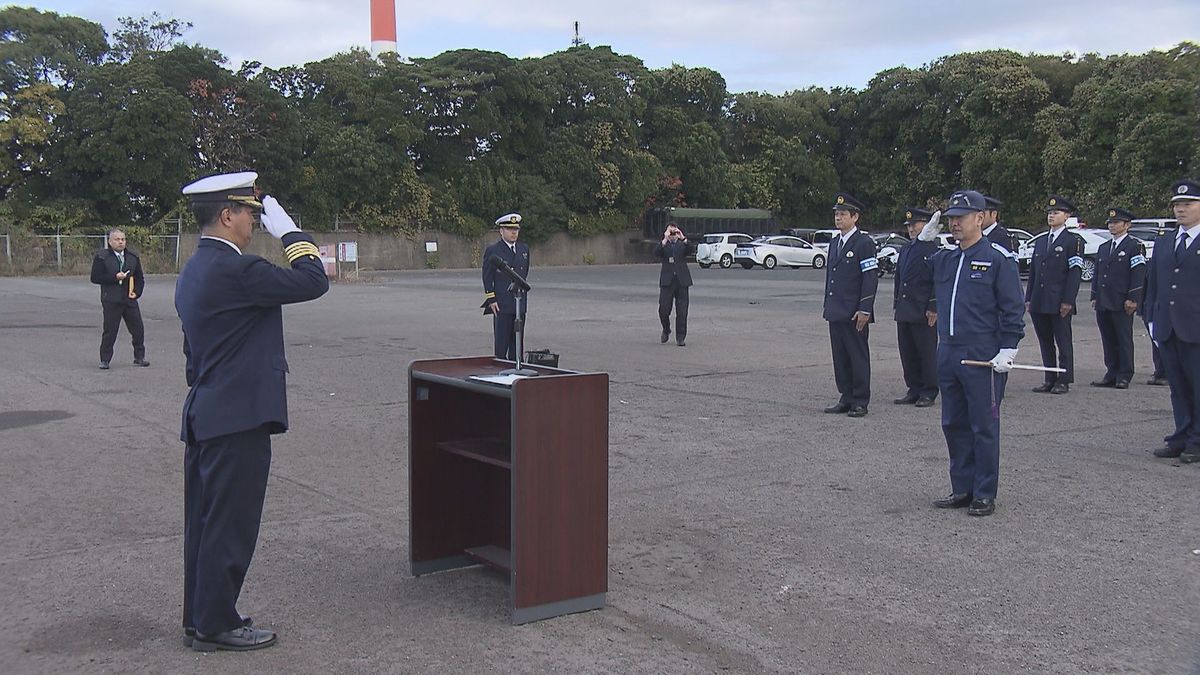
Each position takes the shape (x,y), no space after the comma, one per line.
(918,357)
(1116,336)
(678,294)
(1156,355)
(1182,362)
(113,313)
(1054,338)
(224,485)
(851,362)
(505,336)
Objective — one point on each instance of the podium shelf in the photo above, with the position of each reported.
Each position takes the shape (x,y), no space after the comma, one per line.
(494,451)
(492,556)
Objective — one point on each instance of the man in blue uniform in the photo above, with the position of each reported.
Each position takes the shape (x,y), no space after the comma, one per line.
(498,299)
(992,229)
(674,280)
(1050,295)
(230,304)
(980,318)
(1173,313)
(850,283)
(916,314)
(1117,292)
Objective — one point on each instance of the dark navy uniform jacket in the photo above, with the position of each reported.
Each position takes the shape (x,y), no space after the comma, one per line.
(1172,303)
(914,282)
(104,273)
(1054,273)
(1120,274)
(979,296)
(1001,236)
(495,283)
(674,262)
(231,308)
(851,278)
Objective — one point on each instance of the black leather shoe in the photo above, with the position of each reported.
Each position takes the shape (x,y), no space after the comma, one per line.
(924,402)
(953,501)
(189,632)
(838,408)
(1060,389)
(666,335)
(982,507)
(1104,383)
(1157,381)
(104,365)
(681,342)
(1122,384)
(141,362)
(1189,456)
(857,411)
(1043,388)
(1167,452)
(905,400)
(241,639)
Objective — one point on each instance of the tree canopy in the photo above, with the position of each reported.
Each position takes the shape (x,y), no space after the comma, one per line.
(104,130)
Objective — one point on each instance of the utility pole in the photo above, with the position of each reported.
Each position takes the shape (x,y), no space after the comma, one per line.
(578,41)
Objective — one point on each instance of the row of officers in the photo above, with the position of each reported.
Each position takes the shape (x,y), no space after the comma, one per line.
(967,304)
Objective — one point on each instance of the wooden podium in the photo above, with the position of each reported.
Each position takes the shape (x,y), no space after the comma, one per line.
(512,477)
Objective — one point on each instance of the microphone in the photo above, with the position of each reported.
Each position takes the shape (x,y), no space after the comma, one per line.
(509,272)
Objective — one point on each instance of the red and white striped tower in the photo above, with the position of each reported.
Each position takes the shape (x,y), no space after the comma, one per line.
(383,26)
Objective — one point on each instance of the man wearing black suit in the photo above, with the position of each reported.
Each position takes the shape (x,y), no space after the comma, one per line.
(993,231)
(118,272)
(1173,313)
(1117,291)
(230,304)
(674,279)
(850,283)
(1054,275)
(916,314)
(498,298)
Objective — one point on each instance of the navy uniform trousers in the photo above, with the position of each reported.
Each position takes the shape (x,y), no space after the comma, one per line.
(1054,331)
(1181,360)
(851,362)
(918,357)
(223,532)
(114,312)
(505,335)
(1116,337)
(970,421)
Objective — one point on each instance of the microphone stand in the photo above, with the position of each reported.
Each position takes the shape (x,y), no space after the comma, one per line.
(519,328)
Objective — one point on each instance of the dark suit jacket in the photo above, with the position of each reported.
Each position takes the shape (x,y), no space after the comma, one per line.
(230,306)
(104,272)
(1172,303)
(914,282)
(1000,235)
(851,278)
(495,282)
(1054,273)
(1120,274)
(674,262)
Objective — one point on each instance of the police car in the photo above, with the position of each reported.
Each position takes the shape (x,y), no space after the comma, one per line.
(779,250)
(717,249)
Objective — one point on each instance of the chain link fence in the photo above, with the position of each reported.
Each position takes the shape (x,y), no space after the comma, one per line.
(73,253)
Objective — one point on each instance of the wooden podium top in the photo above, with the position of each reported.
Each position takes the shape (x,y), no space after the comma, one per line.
(458,371)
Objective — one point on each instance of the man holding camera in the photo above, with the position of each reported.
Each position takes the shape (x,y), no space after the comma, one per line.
(674,279)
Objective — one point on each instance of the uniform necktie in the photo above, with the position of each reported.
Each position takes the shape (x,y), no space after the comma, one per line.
(121,260)
(1181,248)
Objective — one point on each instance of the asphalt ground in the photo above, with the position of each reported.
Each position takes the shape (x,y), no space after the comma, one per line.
(748,531)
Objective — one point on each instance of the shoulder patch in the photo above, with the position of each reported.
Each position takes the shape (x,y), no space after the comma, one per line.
(1004,252)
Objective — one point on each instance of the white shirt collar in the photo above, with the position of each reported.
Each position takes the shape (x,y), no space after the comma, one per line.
(1117,240)
(231,244)
(846,236)
(1191,233)
(989,230)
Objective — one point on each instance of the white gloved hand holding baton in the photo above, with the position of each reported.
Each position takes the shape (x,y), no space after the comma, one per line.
(1002,362)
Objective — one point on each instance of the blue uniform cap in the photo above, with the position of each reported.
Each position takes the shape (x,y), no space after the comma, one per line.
(847,202)
(1115,214)
(917,216)
(1185,189)
(993,204)
(1057,203)
(964,202)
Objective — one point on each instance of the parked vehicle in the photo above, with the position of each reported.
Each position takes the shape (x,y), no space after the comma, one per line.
(1092,239)
(779,250)
(1148,229)
(887,246)
(821,238)
(717,249)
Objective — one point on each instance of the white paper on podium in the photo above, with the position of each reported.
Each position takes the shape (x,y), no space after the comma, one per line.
(505,380)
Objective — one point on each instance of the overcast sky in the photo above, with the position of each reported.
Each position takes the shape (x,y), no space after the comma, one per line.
(767,45)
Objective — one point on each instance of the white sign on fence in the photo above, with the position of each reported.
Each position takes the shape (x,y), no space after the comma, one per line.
(348,251)
(431,247)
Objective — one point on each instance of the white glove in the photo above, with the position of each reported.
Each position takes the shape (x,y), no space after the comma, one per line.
(1150,327)
(932,228)
(1002,362)
(275,219)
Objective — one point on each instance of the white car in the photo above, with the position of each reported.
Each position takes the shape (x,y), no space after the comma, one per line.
(1092,239)
(717,249)
(821,238)
(779,250)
